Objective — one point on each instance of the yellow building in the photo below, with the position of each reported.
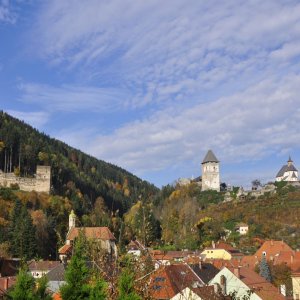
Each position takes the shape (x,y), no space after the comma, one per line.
(215,253)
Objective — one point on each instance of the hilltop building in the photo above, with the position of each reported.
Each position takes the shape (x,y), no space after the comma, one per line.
(287,172)
(39,183)
(210,172)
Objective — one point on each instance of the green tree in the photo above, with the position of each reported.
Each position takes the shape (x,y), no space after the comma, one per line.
(99,290)
(126,285)
(27,289)
(22,232)
(264,270)
(77,274)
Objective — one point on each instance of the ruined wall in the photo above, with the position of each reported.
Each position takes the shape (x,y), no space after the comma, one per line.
(40,183)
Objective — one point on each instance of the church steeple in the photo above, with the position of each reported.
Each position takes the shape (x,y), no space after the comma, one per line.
(72,220)
(290,162)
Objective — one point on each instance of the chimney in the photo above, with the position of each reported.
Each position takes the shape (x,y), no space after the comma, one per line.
(272,243)
(5,283)
(236,272)
(213,244)
(216,288)
(200,264)
(292,258)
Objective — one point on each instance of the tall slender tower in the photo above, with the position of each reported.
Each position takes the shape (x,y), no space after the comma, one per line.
(210,172)
(72,220)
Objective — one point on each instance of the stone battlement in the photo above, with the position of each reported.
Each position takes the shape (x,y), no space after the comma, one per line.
(40,183)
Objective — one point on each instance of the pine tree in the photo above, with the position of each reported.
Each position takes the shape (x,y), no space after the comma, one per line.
(99,290)
(126,286)
(264,270)
(26,288)
(22,233)
(77,274)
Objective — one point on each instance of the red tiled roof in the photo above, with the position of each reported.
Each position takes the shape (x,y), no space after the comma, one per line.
(220,263)
(6,281)
(168,281)
(42,265)
(258,284)
(102,233)
(272,248)
(65,249)
(169,255)
(291,259)
(56,296)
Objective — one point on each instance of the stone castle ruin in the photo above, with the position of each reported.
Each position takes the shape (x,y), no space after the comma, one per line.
(39,183)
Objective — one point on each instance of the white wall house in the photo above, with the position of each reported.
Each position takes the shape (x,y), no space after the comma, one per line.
(287,172)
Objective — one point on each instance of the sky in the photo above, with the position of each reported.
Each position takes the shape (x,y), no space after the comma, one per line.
(152,85)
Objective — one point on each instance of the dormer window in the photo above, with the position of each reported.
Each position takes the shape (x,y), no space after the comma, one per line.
(264,253)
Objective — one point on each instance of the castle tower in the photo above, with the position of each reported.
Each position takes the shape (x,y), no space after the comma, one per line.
(72,220)
(210,172)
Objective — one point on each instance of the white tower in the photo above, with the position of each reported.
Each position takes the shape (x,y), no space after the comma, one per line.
(72,220)
(210,172)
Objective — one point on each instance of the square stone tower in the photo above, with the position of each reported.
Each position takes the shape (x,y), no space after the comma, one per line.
(210,172)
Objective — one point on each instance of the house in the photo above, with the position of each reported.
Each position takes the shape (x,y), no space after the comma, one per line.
(168,281)
(242,228)
(56,278)
(245,282)
(210,172)
(101,235)
(221,250)
(161,258)
(199,293)
(135,248)
(287,172)
(41,268)
(9,267)
(271,249)
(6,283)
(296,284)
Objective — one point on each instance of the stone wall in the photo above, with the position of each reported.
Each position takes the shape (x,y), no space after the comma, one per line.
(40,183)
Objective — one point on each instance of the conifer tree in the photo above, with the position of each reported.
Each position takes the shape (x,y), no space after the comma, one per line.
(22,232)
(126,285)
(264,270)
(77,274)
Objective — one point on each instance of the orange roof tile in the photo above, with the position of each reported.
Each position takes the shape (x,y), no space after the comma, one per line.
(102,233)
(272,248)
(56,296)
(65,249)
(258,284)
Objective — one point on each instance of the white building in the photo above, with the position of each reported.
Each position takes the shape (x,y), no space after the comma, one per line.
(287,172)
(242,228)
(210,172)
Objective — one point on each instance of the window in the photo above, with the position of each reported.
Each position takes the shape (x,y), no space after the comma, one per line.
(158,279)
(157,287)
(264,253)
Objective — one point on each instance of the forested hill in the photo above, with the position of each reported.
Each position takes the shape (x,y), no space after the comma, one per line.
(75,174)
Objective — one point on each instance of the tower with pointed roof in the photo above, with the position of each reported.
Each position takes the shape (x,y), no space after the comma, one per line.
(287,172)
(72,220)
(210,172)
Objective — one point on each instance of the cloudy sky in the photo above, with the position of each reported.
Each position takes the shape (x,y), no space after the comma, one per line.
(152,85)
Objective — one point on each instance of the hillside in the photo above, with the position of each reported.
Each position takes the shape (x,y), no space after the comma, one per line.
(193,219)
(75,174)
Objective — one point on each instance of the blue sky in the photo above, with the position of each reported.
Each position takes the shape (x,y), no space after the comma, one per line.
(152,85)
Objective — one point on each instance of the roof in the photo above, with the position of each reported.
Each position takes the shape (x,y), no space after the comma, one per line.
(9,267)
(258,284)
(102,233)
(65,249)
(272,248)
(286,168)
(168,281)
(205,293)
(9,281)
(42,265)
(135,245)
(169,255)
(57,274)
(209,157)
(205,271)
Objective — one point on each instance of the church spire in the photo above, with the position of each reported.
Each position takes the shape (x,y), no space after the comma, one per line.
(290,162)
(72,220)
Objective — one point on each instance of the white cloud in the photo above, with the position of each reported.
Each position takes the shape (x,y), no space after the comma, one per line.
(246,126)
(72,98)
(169,51)
(7,15)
